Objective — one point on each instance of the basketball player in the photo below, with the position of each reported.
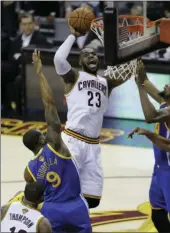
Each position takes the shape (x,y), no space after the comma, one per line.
(160,185)
(54,167)
(22,216)
(87,96)
(161,142)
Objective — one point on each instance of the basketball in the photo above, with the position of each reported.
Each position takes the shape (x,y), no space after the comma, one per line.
(80,19)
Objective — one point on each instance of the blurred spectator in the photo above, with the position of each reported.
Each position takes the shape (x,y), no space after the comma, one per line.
(72,5)
(11,69)
(28,36)
(137,10)
(45,8)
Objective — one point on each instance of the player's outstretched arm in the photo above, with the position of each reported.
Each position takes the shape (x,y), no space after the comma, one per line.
(53,132)
(148,85)
(44,226)
(62,66)
(151,114)
(158,140)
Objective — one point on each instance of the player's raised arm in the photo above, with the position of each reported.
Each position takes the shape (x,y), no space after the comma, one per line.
(158,140)
(148,85)
(151,114)
(62,66)
(53,132)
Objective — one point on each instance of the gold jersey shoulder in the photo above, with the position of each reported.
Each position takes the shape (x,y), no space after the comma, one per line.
(17,197)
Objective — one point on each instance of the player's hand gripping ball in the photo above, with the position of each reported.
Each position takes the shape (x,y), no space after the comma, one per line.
(80,21)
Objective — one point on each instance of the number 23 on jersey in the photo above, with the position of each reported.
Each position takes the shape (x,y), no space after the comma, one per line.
(94,99)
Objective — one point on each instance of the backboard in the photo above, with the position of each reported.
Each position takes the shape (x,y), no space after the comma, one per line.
(126,37)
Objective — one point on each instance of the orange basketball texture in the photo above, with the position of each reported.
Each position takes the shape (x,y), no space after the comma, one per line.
(80,19)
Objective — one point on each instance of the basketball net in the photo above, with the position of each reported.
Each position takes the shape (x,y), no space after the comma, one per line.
(130,31)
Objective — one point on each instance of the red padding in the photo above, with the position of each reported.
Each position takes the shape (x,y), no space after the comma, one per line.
(165,31)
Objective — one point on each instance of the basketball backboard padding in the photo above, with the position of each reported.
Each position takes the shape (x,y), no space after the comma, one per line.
(110,35)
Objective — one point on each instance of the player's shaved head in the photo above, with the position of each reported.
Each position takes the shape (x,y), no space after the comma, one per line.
(33,139)
(87,49)
(34,192)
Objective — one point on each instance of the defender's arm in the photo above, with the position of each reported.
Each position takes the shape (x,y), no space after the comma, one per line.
(158,140)
(53,132)
(151,114)
(148,85)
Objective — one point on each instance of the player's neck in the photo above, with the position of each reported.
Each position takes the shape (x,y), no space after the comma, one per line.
(37,150)
(90,72)
(28,203)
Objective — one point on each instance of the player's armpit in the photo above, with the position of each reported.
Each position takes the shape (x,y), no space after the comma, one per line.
(27,176)
(44,226)
(70,77)
(4,210)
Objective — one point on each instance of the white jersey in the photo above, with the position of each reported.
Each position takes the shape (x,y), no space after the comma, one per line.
(87,102)
(20,218)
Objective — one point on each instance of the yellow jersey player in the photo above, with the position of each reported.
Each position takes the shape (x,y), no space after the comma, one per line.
(21,214)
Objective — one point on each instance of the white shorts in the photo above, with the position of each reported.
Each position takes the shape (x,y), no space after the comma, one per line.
(88,160)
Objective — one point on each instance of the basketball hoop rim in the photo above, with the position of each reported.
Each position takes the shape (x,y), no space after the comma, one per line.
(135,27)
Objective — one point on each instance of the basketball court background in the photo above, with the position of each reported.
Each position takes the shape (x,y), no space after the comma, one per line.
(127,163)
(127,171)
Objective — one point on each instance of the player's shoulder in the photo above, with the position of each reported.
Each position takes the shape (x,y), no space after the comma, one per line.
(17,198)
